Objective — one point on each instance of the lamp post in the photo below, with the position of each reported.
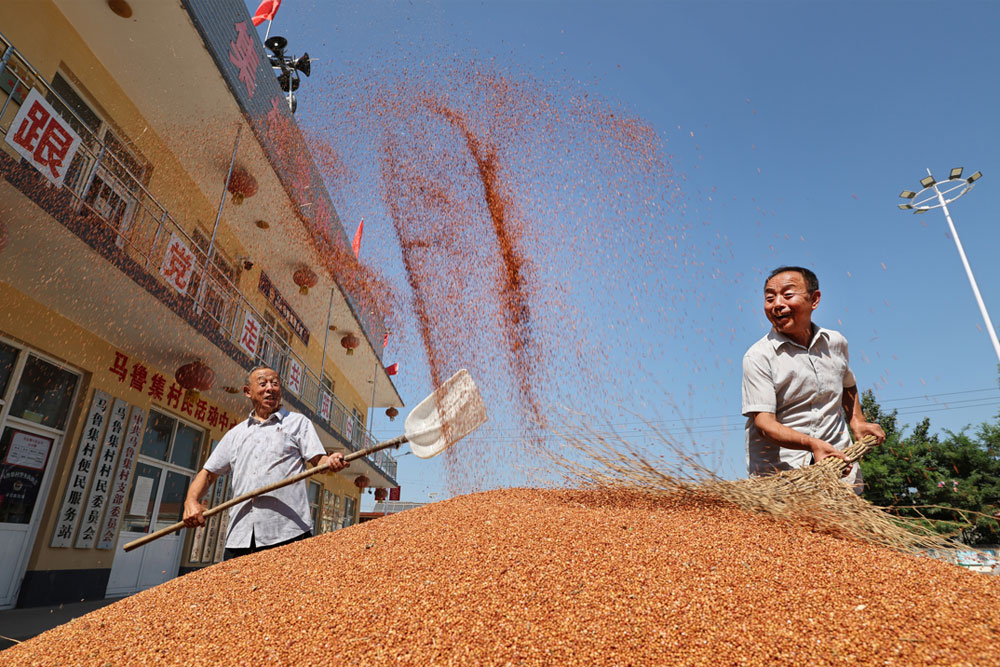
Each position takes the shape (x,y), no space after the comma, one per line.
(939,195)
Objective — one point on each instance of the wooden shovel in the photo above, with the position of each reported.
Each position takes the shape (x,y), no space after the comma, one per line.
(453,411)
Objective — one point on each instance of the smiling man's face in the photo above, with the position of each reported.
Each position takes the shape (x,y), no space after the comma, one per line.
(788,305)
(264,391)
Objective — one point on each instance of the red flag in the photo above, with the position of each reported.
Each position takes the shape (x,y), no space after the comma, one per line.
(266,11)
(356,244)
(392,370)
(394,493)
(385,339)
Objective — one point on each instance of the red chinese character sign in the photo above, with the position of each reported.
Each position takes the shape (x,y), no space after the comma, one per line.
(178,264)
(250,335)
(243,55)
(325,403)
(294,381)
(43,138)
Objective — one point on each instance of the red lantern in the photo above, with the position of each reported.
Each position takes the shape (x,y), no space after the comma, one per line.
(194,378)
(381,494)
(305,278)
(391,413)
(241,185)
(361,482)
(349,342)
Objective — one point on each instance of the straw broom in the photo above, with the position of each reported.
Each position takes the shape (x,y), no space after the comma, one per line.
(814,496)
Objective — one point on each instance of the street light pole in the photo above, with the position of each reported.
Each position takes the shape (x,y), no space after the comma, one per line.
(954,182)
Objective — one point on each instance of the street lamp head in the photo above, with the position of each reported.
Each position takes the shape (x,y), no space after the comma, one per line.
(905,206)
(907,194)
(956,173)
(922,209)
(975,177)
(928,181)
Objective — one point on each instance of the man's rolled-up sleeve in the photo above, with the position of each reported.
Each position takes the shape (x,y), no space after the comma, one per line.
(758,387)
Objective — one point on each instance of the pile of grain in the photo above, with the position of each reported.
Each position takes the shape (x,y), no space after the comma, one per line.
(552,577)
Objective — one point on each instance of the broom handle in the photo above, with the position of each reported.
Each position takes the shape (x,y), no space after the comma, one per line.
(146,539)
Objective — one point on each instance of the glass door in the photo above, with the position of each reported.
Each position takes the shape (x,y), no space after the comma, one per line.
(168,456)
(36,399)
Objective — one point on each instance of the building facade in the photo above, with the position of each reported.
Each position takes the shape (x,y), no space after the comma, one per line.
(161,222)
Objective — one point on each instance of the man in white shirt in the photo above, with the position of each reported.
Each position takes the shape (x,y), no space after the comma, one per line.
(269,446)
(799,394)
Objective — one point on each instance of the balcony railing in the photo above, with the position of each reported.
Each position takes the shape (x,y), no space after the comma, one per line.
(107,193)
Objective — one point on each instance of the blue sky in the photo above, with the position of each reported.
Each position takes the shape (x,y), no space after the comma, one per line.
(792,127)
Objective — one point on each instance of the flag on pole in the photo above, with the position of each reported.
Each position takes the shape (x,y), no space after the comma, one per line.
(385,339)
(356,244)
(266,11)
(392,370)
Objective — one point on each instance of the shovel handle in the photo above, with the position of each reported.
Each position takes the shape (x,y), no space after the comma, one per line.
(146,539)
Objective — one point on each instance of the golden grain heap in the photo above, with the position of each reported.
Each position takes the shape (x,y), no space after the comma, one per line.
(555,577)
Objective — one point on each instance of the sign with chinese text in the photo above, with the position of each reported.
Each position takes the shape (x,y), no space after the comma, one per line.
(118,487)
(325,403)
(104,466)
(42,137)
(268,289)
(28,450)
(178,264)
(250,335)
(79,473)
(143,379)
(294,381)
(349,428)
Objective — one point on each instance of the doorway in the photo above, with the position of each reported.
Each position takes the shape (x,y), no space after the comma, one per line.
(170,452)
(36,398)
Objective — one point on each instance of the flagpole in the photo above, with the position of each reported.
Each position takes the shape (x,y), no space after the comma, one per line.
(374,383)
(268,31)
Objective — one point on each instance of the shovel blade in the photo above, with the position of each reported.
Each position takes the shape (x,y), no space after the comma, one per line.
(454,410)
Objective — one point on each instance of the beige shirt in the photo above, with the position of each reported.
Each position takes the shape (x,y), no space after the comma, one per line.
(258,454)
(803,387)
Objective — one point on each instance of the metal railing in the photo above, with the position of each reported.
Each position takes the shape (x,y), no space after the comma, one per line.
(106,193)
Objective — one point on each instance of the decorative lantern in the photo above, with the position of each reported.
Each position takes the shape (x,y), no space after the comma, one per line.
(391,413)
(349,342)
(381,494)
(242,185)
(305,278)
(361,482)
(194,378)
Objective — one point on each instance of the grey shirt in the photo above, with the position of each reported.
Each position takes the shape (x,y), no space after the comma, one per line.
(803,387)
(261,453)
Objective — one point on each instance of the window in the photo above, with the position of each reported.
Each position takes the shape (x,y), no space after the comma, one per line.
(114,191)
(44,394)
(274,344)
(8,355)
(167,439)
(315,495)
(218,298)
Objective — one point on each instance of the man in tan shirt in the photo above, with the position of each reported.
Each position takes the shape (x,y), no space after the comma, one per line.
(799,394)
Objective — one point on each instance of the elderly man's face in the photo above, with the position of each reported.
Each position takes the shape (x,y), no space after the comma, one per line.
(788,305)
(264,391)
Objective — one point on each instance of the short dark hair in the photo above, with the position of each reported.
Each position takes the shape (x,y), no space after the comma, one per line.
(812,282)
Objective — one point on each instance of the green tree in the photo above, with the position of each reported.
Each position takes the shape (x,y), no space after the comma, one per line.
(924,475)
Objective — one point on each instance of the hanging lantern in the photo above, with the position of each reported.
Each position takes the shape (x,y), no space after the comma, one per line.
(349,342)
(361,482)
(194,378)
(391,413)
(381,494)
(305,278)
(241,185)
